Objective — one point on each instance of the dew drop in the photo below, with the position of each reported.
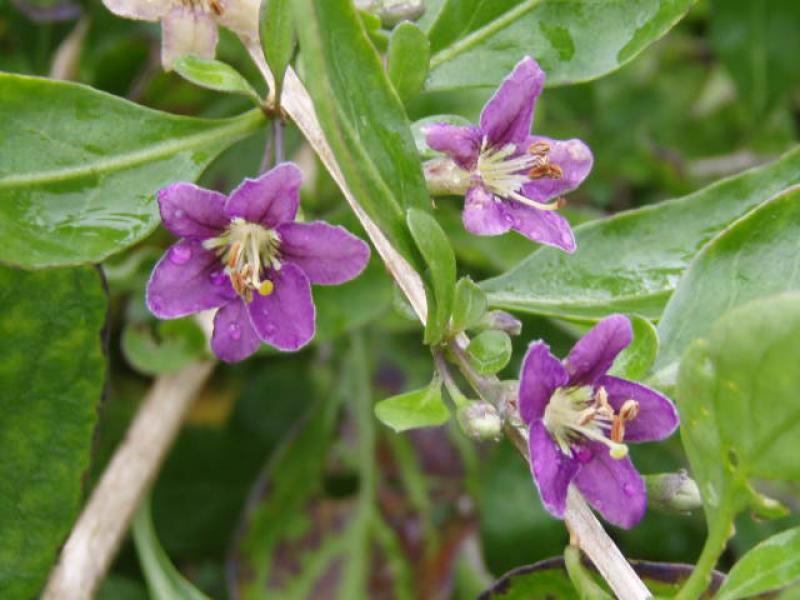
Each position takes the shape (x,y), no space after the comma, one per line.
(217,277)
(269,329)
(178,214)
(180,255)
(235,331)
(629,489)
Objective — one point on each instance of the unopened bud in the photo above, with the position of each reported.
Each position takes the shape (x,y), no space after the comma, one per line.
(674,493)
(443,177)
(503,321)
(479,420)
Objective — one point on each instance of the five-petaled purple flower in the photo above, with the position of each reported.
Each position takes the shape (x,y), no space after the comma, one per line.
(514,176)
(579,418)
(245,255)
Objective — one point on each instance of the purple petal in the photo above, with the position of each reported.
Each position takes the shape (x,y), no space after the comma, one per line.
(145,10)
(613,487)
(186,280)
(543,226)
(328,255)
(508,115)
(190,211)
(285,318)
(657,418)
(552,469)
(271,199)
(595,352)
(186,31)
(234,338)
(575,160)
(461,143)
(541,374)
(484,214)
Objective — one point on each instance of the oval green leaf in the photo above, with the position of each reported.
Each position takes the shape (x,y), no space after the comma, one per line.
(737,398)
(214,75)
(477,43)
(634,362)
(407,59)
(632,261)
(440,259)
(179,342)
(489,351)
(772,564)
(469,305)
(277,38)
(757,256)
(78,168)
(53,371)
(412,410)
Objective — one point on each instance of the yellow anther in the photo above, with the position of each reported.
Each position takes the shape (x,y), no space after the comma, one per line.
(629,410)
(266,287)
(539,148)
(618,451)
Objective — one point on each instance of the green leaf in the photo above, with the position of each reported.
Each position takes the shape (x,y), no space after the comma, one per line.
(635,361)
(469,305)
(361,116)
(631,262)
(438,254)
(53,371)
(78,168)
(737,398)
(772,564)
(420,408)
(214,75)
(548,580)
(489,351)
(756,256)
(277,38)
(178,343)
(407,59)
(756,41)
(164,582)
(477,43)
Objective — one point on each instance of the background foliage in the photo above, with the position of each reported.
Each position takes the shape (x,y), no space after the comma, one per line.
(282,482)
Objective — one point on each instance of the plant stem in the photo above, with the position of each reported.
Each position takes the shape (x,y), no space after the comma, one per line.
(452,387)
(585,585)
(719,531)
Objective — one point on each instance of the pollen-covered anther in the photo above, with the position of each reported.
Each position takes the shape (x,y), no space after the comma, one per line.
(539,148)
(629,410)
(546,169)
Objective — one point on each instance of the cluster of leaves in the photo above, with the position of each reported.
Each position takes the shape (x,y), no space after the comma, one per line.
(710,278)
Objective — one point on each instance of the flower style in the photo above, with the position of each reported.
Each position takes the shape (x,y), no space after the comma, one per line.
(579,419)
(246,255)
(514,176)
(190,26)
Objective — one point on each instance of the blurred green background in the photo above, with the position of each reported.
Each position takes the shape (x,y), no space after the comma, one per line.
(716,95)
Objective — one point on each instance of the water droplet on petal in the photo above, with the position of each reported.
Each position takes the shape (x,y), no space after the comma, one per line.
(178,214)
(180,255)
(235,331)
(269,329)
(217,277)
(629,489)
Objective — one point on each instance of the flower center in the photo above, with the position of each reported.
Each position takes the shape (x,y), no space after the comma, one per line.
(504,172)
(579,413)
(247,250)
(205,6)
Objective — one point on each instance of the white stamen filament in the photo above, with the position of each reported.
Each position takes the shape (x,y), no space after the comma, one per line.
(505,176)
(247,250)
(574,414)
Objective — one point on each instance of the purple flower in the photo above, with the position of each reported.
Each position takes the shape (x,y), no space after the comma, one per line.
(579,418)
(513,175)
(245,255)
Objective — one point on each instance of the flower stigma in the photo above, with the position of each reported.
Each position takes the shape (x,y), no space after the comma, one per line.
(577,413)
(247,250)
(504,173)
